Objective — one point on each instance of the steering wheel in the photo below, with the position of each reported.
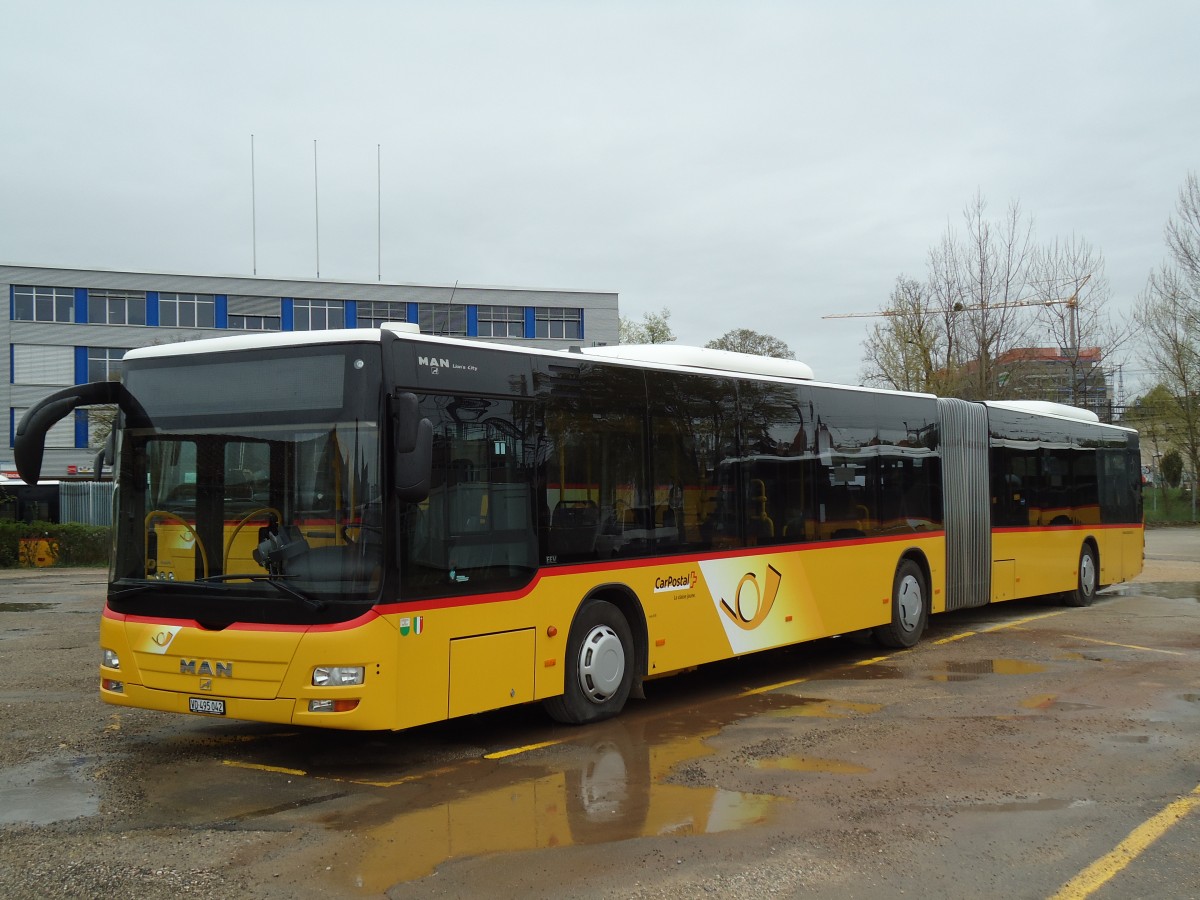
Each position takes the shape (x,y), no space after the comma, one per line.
(164,514)
(269,510)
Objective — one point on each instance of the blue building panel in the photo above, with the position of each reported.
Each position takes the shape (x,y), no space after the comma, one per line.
(287,314)
(351,313)
(152,308)
(81,311)
(472,320)
(221,312)
(530,322)
(81,365)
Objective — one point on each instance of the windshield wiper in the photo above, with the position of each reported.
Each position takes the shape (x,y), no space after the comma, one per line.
(315,603)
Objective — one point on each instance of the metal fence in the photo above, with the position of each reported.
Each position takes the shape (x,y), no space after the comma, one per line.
(88,502)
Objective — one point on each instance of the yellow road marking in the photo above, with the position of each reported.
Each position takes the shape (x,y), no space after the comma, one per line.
(1102,870)
(872,661)
(501,754)
(1126,646)
(237,764)
(771,687)
(429,773)
(1016,622)
(955,637)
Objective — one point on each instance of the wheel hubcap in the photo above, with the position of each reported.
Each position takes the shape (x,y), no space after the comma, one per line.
(601,664)
(1087,575)
(909,603)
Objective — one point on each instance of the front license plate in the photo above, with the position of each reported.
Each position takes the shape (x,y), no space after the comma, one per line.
(206,705)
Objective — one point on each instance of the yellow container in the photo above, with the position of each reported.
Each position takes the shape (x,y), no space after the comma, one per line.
(38,552)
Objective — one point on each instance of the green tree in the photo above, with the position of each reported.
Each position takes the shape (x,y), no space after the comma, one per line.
(655,328)
(746,340)
(1172,468)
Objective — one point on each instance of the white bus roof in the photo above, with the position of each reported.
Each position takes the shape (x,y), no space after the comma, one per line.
(1046,408)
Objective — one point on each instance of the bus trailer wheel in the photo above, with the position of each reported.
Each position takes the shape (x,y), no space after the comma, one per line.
(910,608)
(1089,576)
(599,666)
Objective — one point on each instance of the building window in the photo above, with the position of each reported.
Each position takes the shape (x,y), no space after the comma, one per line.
(116,307)
(502,321)
(43,304)
(438,318)
(255,323)
(42,364)
(315,315)
(247,313)
(187,310)
(104,363)
(373,313)
(562,323)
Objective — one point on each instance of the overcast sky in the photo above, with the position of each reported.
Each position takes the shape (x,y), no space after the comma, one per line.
(743,164)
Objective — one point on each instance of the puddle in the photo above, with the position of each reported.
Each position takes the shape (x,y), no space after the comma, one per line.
(1169,590)
(45,791)
(974,669)
(25,607)
(825,709)
(397,815)
(812,764)
(623,786)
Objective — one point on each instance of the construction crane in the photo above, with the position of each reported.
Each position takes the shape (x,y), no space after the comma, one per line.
(1072,304)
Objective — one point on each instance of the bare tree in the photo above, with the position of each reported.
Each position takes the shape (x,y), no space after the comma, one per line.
(1168,316)
(993,264)
(947,333)
(746,340)
(1071,294)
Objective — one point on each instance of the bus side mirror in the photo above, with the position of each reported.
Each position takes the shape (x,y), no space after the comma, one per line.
(406,414)
(106,456)
(29,443)
(413,466)
(413,443)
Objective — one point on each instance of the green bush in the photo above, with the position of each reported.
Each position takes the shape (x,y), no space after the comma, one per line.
(76,545)
(1171,467)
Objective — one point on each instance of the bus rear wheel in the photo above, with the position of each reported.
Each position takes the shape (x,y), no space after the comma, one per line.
(1088,580)
(910,607)
(599,666)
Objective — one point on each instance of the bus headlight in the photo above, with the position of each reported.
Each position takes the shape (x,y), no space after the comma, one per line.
(337,676)
(111,660)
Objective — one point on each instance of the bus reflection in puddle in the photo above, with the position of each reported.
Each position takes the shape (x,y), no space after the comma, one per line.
(611,790)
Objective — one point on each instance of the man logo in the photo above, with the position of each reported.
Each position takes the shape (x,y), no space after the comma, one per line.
(433,362)
(219,669)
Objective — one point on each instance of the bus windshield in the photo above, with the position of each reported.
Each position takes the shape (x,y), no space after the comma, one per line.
(252,491)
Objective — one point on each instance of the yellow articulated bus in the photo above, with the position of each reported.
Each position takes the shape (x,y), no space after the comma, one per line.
(375,529)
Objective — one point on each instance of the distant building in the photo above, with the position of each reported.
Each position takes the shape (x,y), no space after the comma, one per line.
(72,326)
(1059,375)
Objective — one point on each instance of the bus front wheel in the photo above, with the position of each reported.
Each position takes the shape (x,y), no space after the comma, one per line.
(910,607)
(1085,585)
(599,666)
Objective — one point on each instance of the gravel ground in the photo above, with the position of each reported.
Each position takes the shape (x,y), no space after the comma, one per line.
(947,771)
